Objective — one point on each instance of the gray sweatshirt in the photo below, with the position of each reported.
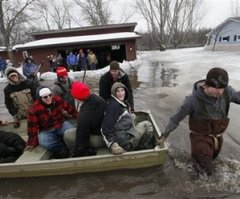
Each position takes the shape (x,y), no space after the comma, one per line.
(201,106)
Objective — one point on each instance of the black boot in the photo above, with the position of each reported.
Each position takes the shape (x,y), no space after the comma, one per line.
(64,153)
(87,151)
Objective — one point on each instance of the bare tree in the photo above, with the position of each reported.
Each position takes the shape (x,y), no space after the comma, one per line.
(54,14)
(168,19)
(12,17)
(235,8)
(95,12)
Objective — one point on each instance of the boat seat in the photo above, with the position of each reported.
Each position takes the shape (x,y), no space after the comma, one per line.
(103,151)
(38,153)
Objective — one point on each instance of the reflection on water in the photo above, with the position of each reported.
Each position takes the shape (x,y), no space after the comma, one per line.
(155,74)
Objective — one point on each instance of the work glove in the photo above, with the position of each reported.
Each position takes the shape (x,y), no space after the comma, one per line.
(116,149)
(160,141)
(16,123)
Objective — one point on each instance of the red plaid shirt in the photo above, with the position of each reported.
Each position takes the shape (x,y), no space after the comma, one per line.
(43,117)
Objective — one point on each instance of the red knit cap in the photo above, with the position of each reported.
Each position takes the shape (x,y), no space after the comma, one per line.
(80,91)
(62,71)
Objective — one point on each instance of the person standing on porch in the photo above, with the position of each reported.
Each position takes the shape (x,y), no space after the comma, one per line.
(92,60)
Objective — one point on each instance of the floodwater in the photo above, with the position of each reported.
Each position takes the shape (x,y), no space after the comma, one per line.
(160,83)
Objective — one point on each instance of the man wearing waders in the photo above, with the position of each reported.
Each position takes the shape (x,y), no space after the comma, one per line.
(207,108)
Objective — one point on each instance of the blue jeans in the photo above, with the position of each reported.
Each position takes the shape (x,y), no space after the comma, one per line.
(92,66)
(52,140)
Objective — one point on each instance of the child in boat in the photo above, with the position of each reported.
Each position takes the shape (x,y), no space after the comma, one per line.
(89,120)
(11,145)
(118,127)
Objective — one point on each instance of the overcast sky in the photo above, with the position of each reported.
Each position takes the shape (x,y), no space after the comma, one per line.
(214,12)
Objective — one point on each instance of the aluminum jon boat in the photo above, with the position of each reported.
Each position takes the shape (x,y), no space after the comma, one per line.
(38,163)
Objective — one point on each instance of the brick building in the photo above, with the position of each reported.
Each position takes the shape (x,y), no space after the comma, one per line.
(108,42)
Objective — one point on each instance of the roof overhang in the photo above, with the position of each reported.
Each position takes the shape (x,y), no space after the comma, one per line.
(62,41)
(3,48)
(221,25)
(92,28)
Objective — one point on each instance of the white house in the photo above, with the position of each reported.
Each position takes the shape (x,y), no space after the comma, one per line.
(226,36)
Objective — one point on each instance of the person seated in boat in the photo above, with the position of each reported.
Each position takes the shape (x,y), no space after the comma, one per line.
(63,85)
(46,122)
(11,145)
(118,128)
(115,74)
(19,94)
(89,119)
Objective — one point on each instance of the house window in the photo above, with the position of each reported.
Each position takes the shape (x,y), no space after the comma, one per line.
(220,39)
(25,54)
(238,37)
(115,47)
(235,38)
(226,39)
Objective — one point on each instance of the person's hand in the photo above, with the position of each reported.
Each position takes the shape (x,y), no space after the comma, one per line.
(132,109)
(29,148)
(161,141)
(116,149)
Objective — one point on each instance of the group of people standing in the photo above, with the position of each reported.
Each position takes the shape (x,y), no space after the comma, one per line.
(110,114)
(75,61)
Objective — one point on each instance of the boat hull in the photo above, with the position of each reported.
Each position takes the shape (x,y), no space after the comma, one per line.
(103,161)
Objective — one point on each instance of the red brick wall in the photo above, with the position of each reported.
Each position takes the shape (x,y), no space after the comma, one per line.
(131,50)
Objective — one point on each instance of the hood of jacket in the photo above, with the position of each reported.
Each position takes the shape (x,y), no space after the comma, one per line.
(118,85)
(10,69)
(198,91)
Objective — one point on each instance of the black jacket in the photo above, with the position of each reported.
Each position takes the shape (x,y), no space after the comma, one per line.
(106,83)
(89,120)
(11,146)
(11,88)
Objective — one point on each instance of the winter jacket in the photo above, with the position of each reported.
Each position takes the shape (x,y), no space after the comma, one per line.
(89,120)
(72,59)
(117,118)
(120,126)
(11,146)
(63,90)
(3,64)
(106,82)
(45,117)
(92,59)
(29,69)
(19,97)
(211,107)
(82,62)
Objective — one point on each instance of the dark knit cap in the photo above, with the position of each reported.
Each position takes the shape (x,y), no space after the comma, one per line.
(217,78)
(114,65)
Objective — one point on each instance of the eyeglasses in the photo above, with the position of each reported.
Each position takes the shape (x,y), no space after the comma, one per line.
(45,97)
